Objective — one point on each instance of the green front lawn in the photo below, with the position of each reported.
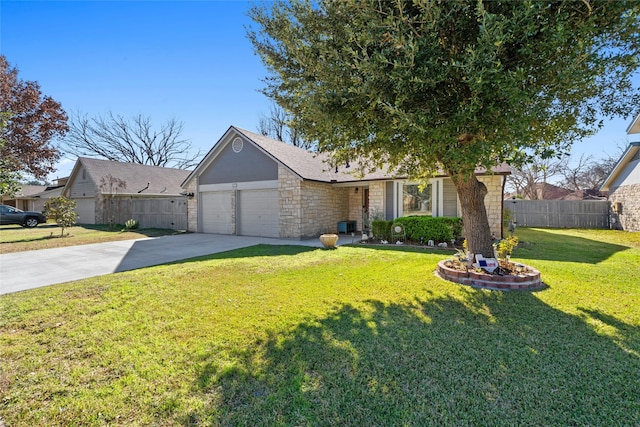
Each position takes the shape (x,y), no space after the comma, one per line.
(14,238)
(354,336)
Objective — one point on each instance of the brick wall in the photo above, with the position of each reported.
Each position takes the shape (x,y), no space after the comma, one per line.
(629,197)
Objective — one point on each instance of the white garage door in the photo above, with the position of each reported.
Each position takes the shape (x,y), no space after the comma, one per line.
(217,212)
(259,213)
(86,210)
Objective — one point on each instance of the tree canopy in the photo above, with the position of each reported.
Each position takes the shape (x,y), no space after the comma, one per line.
(31,121)
(9,177)
(456,84)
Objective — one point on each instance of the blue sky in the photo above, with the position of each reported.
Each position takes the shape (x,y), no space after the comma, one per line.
(185,59)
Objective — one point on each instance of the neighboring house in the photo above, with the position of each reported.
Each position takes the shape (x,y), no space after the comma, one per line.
(108,192)
(585,195)
(251,185)
(51,191)
(25,198)
(542,191)
(623,185)
(33,197)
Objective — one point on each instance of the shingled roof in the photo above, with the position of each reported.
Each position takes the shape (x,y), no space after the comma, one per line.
(308,165)
(139,179)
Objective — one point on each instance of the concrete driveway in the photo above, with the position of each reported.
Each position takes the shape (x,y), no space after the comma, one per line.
(27,270)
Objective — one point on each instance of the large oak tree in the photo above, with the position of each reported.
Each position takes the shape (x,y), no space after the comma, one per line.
(451,84)
(31,122)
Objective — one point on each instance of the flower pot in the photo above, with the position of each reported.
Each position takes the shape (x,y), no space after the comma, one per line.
(329,240)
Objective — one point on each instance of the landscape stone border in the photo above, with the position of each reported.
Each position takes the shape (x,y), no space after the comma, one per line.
(529,281)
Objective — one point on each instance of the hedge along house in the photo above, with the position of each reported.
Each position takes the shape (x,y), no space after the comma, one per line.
(108,192)
(623,185)
(251,185)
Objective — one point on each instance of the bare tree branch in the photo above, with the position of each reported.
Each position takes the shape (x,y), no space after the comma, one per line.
(528,181)
(277,125)
(588,174)
(134,140)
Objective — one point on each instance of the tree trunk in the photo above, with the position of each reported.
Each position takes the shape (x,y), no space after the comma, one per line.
(474,214)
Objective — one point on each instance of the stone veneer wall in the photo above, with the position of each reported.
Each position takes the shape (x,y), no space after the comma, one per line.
(308,209)
(493,202)
(355,206)
(322,206)
(290,201)
(376,197)
(100,202)
(629,197)
(192,208)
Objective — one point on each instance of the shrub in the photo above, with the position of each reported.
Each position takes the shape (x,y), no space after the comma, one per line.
(438,229)
(62,211)
(381,229)
(506,246)
(131,224)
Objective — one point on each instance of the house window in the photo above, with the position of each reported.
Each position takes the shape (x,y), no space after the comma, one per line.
(416,200)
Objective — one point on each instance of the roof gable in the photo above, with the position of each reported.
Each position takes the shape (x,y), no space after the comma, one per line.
(305,164)
(239,161)
(629,156)
(27,191)
(634,127)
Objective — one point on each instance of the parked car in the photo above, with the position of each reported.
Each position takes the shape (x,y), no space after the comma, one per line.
(11,215)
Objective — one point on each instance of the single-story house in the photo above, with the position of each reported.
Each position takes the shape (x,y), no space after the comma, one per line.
(51,191)
(540,191)
(623,185)
(252,185)
(108,192)
(25,198)
(33,197)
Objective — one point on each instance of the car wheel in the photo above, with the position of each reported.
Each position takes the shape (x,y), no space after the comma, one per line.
(30,222)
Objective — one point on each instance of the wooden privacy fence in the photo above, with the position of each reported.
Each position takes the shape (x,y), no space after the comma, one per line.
(559,213)
(150,212)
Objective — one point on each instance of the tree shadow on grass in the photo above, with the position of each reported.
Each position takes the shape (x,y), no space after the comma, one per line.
(543,245)
(627,337)
(120,228)
(260,250)
(486,359)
